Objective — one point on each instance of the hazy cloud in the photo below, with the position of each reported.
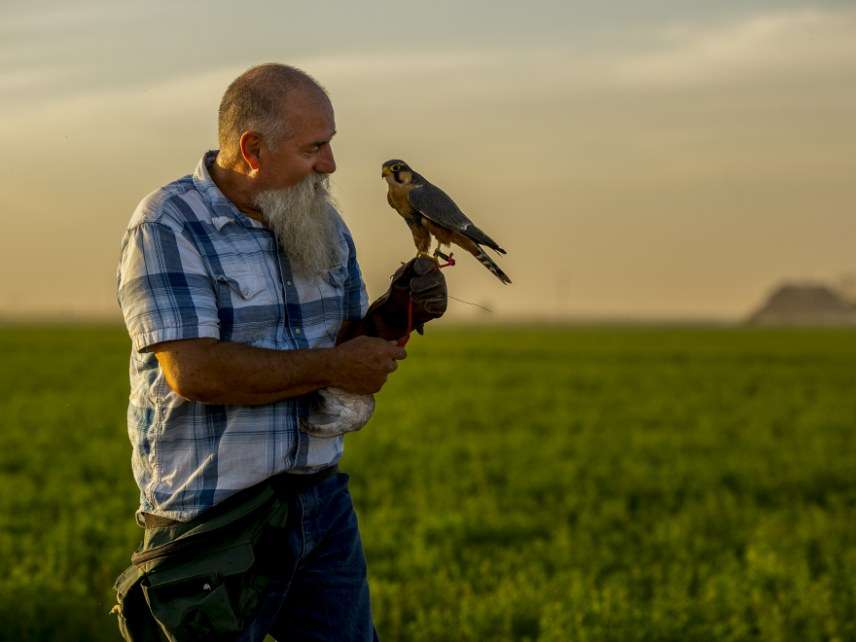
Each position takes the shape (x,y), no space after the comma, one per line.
(618,171)
(785,42)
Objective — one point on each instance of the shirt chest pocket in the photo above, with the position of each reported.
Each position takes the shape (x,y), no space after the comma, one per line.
(241,276)
(242,287)
(333,284)
(327,286)
(248,306)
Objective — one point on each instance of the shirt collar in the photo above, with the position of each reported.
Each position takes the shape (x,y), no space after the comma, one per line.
(223,210)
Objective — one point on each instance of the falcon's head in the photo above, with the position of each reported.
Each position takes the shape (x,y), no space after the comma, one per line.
(397,171)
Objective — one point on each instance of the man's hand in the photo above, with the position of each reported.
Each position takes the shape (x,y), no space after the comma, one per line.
(364,363)
(420,281)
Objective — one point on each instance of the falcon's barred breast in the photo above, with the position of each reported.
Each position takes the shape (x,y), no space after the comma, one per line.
(429,211)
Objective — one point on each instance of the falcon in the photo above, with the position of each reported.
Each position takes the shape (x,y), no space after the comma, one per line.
(429,211)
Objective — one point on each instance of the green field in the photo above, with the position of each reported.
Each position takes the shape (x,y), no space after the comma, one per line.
(552,484)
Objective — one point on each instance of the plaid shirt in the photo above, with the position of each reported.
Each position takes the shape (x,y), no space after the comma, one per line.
(193,266)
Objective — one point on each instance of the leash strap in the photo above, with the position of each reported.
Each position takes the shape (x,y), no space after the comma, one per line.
(403,340)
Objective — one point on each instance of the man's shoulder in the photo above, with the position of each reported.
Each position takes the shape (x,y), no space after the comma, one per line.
(173,204)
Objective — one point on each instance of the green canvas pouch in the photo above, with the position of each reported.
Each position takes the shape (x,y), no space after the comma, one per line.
(203,579)
(205,596)
(132,611)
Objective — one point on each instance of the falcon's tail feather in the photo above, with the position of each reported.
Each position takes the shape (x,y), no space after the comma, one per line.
(475,234)
(488,262)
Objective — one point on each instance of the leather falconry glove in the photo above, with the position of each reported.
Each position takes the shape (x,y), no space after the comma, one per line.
(419,280)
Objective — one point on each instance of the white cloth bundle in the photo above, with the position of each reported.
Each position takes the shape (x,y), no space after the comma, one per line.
(333,412)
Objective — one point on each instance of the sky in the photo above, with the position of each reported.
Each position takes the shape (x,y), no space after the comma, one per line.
(637,159)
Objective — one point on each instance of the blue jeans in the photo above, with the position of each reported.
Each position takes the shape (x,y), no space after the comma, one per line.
(323,594)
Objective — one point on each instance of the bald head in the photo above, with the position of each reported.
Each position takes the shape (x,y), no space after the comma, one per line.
(257,101)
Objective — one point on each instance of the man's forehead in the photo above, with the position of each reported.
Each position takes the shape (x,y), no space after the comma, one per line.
(309,115)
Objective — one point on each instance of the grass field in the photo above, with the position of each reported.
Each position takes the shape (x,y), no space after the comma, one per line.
(603,484)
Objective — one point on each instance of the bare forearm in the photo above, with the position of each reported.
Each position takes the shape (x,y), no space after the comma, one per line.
(221,372)
(224,372)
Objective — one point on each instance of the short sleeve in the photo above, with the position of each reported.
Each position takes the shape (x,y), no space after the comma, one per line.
(163,287)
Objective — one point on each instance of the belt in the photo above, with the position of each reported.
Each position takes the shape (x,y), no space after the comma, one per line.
(283,482)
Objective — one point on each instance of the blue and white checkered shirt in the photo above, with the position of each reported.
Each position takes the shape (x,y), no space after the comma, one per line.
(193,266)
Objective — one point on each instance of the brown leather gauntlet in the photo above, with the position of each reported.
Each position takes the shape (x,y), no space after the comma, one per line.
(419,280)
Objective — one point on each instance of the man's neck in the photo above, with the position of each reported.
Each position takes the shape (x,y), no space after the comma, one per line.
(235,186)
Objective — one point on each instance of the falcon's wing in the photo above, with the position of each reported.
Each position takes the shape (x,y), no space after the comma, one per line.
(437,206)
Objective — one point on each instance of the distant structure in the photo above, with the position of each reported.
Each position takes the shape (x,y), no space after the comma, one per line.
(805,304)
(846,285)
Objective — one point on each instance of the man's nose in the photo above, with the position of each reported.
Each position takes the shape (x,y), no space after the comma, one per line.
(326,164)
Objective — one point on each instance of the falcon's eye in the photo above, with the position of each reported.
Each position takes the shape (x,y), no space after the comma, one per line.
(396,168)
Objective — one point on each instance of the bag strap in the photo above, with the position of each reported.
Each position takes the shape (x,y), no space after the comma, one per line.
(164,541)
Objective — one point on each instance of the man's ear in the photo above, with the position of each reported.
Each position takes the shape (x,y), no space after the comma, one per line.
(251,144)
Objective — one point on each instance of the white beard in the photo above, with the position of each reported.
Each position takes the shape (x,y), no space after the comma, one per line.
(301,217)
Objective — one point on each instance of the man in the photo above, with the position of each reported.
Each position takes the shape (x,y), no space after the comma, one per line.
(242,296)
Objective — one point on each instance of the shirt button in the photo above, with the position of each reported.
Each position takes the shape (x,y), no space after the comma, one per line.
(288,282)
(297,331)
